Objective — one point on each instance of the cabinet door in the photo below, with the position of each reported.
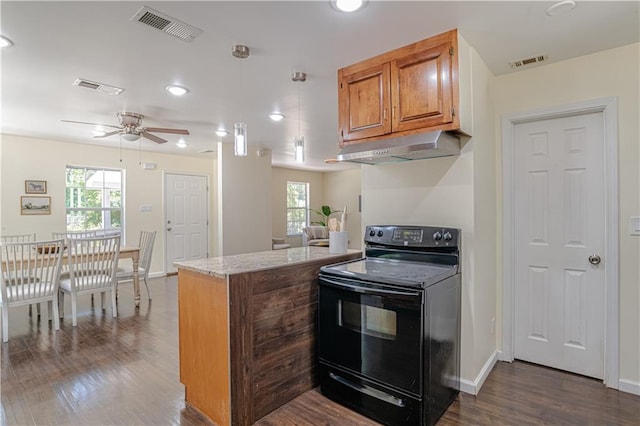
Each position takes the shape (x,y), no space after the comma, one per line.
(363,99)
(422,90)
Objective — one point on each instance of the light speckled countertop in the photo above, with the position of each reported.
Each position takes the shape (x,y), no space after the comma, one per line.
(224,266)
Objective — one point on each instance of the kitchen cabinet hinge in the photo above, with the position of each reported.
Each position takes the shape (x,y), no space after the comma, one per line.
(453,111)
(451,51)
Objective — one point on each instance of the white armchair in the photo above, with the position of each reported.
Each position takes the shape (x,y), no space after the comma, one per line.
(315,236)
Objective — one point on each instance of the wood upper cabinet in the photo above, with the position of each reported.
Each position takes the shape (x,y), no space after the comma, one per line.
(407,90)
(364,103)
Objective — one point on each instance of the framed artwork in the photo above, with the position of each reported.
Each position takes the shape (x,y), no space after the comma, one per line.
(35,205)
(35,186)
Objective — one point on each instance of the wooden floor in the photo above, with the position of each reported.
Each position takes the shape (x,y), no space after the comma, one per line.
(124,371)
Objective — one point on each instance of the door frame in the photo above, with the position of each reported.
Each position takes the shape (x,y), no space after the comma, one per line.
(609,109)
(164,210)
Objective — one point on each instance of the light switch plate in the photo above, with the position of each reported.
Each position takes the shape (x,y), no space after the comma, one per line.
(634,225)
(146,207)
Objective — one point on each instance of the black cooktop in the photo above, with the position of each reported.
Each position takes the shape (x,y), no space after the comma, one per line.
(395,272)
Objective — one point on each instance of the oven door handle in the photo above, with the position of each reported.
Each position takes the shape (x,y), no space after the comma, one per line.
(368,290)
(368,390)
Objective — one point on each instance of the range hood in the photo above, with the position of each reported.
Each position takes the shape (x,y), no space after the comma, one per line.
(404,148)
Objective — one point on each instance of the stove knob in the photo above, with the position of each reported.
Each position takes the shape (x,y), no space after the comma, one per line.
(448,236)
(372,233)
(379,233)
(437,236)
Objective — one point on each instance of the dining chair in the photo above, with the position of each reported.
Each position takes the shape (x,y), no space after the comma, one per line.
(18,238)
(92,269)
(125,273)
(70,235)
(29,274)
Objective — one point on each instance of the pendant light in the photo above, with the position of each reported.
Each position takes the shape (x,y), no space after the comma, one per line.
(298,141)
(240,129)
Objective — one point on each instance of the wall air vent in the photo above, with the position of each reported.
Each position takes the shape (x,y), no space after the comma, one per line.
(166,24)
(98,87)
(528,61)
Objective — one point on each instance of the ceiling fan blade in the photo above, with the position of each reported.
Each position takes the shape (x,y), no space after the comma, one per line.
(161,130)
(115,132)
(151,137)
(93,124)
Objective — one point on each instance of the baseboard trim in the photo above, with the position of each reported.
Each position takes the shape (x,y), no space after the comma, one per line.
(629,386)
(157,274)
(473,387)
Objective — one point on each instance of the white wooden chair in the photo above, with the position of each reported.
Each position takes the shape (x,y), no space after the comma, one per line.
(92,269)
(29,274)
(125,273)
(72,235)
(18,238)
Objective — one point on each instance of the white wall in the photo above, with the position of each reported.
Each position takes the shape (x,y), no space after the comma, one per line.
(244,201)
(341,189)
(610,73)
(38,159)
(454,192)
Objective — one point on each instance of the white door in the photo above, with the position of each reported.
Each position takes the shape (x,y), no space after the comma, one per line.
(559,224)
(187,213)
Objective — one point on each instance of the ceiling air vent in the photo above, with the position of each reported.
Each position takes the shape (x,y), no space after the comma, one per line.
(533,60)
(207,151)
(166,24)
(98,87)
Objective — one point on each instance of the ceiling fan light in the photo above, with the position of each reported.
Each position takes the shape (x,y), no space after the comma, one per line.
(131,137)
(176,90)
(181,144)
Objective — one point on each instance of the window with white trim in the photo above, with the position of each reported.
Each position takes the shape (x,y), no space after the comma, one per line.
(94,200)
(297,207)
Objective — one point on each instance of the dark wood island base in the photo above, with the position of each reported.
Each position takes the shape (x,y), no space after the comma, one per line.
(248,333)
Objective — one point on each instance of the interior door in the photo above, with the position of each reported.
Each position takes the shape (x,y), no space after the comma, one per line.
(559,227)
(187,213)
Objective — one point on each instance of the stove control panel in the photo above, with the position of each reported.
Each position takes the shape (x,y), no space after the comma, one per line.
(411,236)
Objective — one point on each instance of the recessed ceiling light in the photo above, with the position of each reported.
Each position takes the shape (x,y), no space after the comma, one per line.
(5,42)
(276,116)
(181,144)
(348,5)
(561,8)
(176,90)
(222,133)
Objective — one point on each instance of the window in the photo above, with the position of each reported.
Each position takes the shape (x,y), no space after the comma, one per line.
(94,200)
(297,205)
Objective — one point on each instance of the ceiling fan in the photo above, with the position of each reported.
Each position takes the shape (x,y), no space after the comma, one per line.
(130,128)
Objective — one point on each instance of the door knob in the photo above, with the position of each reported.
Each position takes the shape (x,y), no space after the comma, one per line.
(594,259)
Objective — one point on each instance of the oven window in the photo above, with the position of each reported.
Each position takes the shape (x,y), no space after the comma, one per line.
(365,319)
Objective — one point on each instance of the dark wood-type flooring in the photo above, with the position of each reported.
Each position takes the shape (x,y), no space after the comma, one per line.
(124,371)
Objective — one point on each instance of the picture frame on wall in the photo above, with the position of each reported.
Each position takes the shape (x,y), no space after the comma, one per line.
(31,205)
(35,186)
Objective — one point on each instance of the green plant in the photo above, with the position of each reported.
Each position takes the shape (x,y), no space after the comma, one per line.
(324,213)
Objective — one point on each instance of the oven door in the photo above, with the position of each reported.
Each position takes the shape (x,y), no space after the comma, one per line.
(372,330)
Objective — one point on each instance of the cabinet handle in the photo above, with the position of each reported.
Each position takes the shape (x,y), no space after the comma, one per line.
(384,114)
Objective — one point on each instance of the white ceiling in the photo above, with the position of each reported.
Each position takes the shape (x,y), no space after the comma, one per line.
(57,42)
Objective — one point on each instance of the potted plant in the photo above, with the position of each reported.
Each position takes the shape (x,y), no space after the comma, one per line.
(324,212)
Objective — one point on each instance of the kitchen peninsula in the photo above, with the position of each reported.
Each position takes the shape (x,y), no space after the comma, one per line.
(247,326)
